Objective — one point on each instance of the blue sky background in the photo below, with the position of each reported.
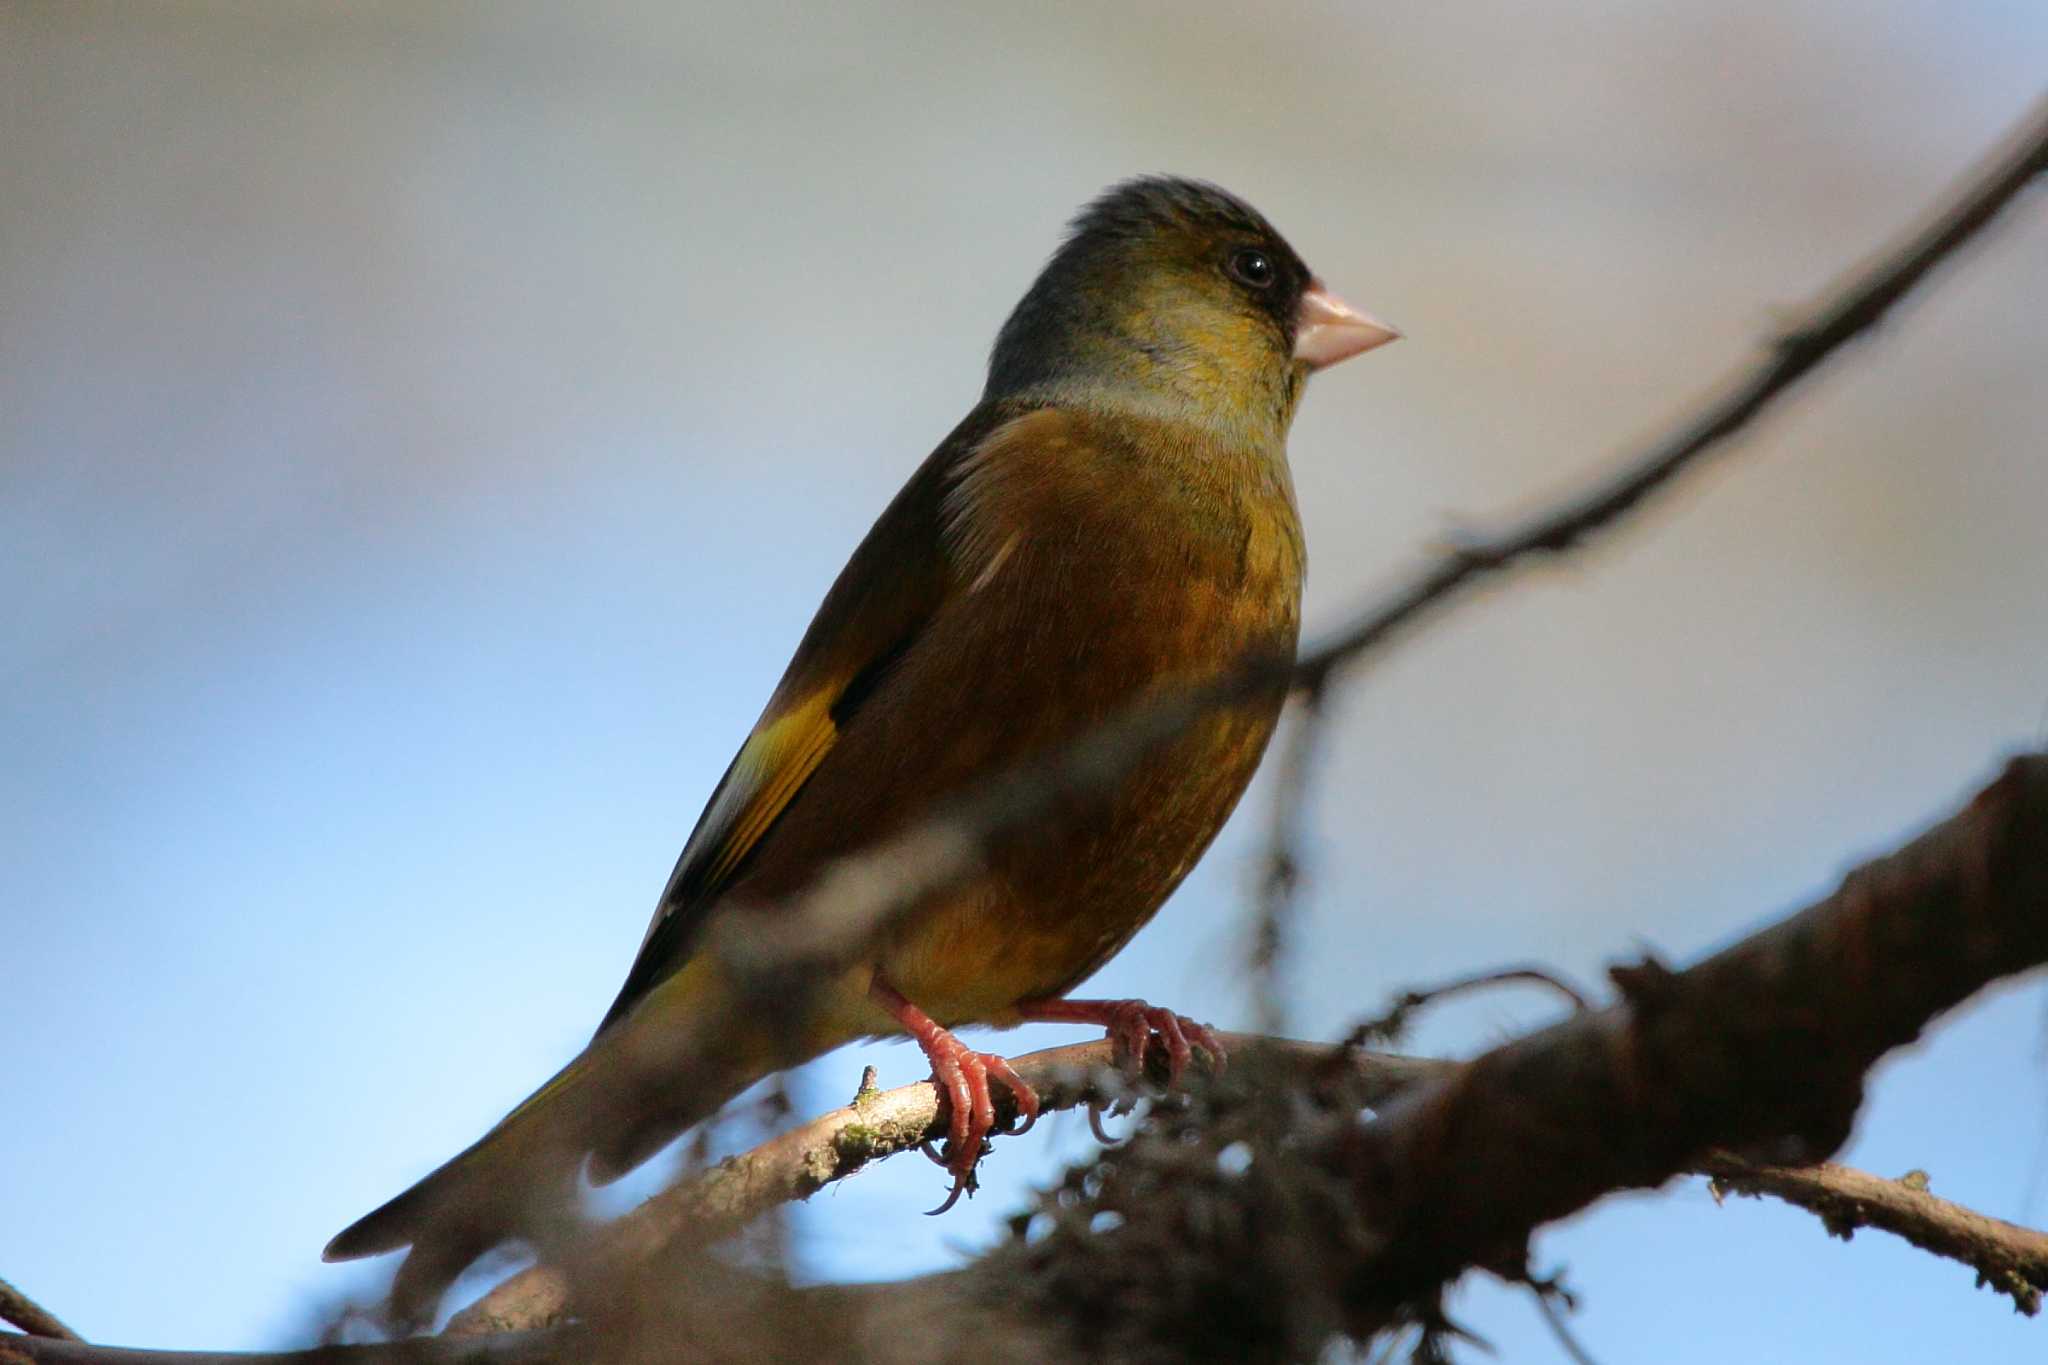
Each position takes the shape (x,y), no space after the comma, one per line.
(425,429)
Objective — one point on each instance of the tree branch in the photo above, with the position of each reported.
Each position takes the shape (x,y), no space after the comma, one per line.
(878,1124)
(2007,1257)
(1761,1048)
(30,1316)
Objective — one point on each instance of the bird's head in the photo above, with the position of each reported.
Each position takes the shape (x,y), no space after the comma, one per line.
(1176,297)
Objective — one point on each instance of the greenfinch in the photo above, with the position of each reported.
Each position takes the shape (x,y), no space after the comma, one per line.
(1113,520)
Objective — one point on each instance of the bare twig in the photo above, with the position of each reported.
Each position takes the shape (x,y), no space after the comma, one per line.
(1280,885)
(1393,1022)
(1553,1302)
(30,1316)
(2007,1257)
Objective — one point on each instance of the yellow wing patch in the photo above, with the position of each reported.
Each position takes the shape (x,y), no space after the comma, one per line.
(770,769)
(773,766)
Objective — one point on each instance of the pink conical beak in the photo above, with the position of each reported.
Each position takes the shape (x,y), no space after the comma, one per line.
(1327,329)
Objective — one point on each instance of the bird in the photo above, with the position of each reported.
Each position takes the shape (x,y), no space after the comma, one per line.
(1112,521)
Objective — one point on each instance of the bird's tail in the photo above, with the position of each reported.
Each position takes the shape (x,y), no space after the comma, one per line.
(520,1180)
(514,1181)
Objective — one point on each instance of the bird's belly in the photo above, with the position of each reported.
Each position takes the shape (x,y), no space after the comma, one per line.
(1054,906)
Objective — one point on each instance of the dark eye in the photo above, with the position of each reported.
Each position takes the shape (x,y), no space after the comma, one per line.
(1253,267)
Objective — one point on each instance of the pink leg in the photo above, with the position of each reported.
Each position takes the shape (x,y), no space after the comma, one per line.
(962,1076)
(1132,1025)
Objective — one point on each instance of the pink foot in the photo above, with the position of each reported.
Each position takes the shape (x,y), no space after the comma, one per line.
(1132,1026)
(962,1076)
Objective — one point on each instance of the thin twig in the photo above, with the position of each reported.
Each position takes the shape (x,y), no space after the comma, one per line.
(2007,1257)
(1856,307)
(1383,1029)
(1547,1293)
(30,1316)
(1280,886)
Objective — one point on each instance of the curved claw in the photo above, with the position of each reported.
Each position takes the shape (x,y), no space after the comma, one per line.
(961,1185)
(1095,1126)
(962,1076)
